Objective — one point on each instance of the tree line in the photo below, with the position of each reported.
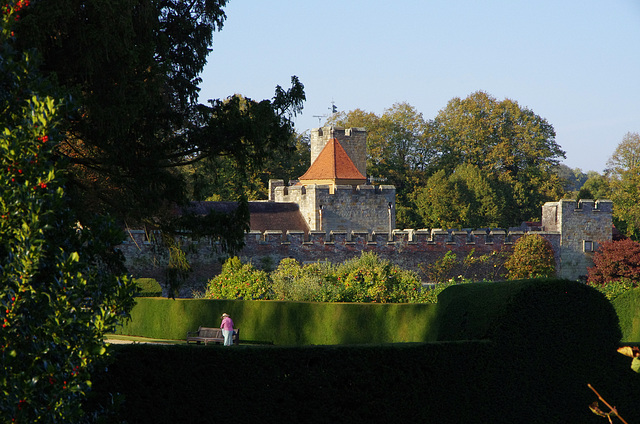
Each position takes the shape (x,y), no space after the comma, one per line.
(483,162)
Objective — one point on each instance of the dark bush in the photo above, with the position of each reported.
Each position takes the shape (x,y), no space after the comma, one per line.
(556,335)
(148,287)
(627,306)
(616,260)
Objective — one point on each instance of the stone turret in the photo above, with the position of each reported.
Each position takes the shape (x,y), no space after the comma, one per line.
(582,225)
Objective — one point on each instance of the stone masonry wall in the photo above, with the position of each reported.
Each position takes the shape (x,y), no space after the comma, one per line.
(363,208)
(410,249)
(583,225)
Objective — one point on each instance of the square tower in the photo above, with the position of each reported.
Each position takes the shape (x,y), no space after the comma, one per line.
(582,226)
(353,140)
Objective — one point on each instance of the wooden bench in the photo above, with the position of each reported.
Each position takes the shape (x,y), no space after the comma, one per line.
(208,334)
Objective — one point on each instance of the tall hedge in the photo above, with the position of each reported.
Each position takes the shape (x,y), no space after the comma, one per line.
(627,306)
(557,335)
(286,323)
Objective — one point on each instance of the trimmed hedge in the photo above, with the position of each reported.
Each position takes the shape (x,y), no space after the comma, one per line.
(364,384)
(556,335)
(149,287)
(286,323)
(627,306)
(536,345)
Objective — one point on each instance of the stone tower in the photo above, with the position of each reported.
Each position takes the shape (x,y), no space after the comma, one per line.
(332,195)
(353,140)
(582,225)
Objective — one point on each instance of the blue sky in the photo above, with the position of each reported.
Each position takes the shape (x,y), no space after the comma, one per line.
(574,63)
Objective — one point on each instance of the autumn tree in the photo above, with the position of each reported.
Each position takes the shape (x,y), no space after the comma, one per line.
(616,261)
(513,147)
(133,68)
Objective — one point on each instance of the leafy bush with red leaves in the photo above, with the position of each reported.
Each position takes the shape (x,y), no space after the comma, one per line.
(616,261)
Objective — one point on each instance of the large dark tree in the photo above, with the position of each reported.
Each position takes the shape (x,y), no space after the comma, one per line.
(133,66)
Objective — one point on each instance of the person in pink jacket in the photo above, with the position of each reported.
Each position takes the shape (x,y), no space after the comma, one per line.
(227,329)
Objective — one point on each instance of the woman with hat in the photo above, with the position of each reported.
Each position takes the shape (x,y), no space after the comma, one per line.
(227,329)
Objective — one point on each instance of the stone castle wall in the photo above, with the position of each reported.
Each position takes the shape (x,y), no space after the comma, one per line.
(574,229)
(353,140)
(583,226)
(345,208)
(409,249)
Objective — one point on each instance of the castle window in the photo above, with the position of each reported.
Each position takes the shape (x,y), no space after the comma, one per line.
(588,246)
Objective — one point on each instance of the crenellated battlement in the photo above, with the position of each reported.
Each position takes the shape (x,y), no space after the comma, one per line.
(410,249)
(583,224)
(340,207)
(320,245)
(284,193)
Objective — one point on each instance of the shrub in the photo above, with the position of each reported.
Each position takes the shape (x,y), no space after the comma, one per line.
(532,258)
(617,260)
(488,267)
(62,284)
(613,289)
(148,287)
(439,271)
(371,279)
(238,281)
(290,281)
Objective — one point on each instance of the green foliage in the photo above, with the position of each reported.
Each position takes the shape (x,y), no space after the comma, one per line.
(363,279)
(624,171)
(293,282)
(219,179)
(613,289)
(439,271)
(627,306)
(286,323)
(370,279)
(238,281)
(572,179)
(555,335)
(136,80)
(148,287)
(616,261)
(61,286)
(479,163)
(473,267)
(515,148)
(532,257)
(178,268)
(465,198)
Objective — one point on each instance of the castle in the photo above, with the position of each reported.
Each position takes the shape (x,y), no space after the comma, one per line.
(332,195)
(331,214)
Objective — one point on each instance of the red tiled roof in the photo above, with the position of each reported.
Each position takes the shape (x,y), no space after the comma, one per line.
(333,163)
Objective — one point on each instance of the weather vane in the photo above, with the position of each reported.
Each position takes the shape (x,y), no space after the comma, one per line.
(333,109)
